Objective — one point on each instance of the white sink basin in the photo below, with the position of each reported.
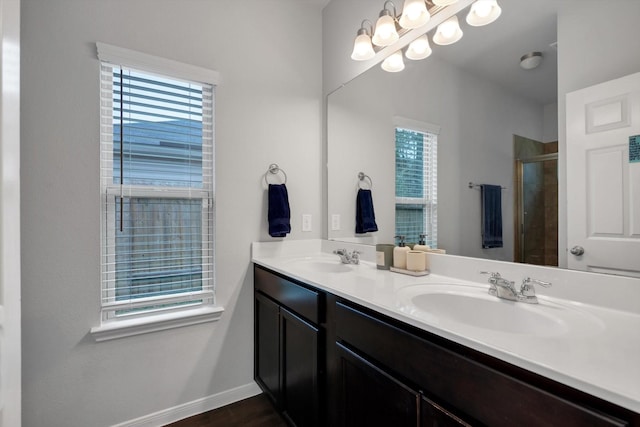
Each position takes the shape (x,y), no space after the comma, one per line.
(319,265)
(452,305)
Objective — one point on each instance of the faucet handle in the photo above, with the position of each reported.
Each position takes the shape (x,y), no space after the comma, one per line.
(528,281)
(528,292)
(494,275)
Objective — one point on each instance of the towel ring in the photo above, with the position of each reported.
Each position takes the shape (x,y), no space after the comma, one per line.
(362,177)
(274,169)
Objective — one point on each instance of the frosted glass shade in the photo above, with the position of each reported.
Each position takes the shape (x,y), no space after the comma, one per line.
(385,33)
(414,14)
(483,12)
(394,62)
(362,48)
(444,2)
(448,32)
(419,48)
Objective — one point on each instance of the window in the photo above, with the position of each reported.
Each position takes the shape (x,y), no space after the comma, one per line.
(157,191)
(417,181)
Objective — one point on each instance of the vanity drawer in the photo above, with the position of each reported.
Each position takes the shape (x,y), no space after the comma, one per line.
(299,299)
(458,382)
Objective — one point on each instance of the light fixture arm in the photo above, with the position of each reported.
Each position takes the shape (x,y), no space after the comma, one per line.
(363,28)
(384,8)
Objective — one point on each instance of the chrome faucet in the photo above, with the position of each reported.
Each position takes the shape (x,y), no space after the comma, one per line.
(505,289)
(501,287)
(347,257)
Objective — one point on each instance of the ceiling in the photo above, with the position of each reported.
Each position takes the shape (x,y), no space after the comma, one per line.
(494,51)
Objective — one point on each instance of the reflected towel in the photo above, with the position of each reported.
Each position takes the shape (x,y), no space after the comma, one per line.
(365,216)
(491,216)
(279,213)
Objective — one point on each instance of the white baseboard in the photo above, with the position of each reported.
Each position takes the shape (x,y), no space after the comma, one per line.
(171,415)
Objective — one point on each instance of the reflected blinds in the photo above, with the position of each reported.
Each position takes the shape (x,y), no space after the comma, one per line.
(417,185)
(157,192)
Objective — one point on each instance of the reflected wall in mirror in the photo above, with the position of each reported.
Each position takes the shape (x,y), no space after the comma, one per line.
(477,95)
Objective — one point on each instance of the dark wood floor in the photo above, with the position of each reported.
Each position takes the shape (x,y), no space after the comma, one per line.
(256,411)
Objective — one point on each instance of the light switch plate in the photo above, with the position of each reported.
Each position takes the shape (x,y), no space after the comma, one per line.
(306,222)
(335,222)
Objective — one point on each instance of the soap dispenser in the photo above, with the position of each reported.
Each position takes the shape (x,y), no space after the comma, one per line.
(422,246)
(400,254)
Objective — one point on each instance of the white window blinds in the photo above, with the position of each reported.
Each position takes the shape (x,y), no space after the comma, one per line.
(417,185)
(157,180)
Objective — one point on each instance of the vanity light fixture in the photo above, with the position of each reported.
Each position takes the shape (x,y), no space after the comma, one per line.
(362,48)
(531,60)
(448,32)
(419,48)
(483,12)
(386,33)
(414,14)
(394,62)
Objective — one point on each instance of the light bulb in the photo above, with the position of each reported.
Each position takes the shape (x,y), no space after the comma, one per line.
(483,12)
(419,48)
(447,29)
(448,32)
(362,49)
(385,33)
(482,8)
(414,14)
(394,62)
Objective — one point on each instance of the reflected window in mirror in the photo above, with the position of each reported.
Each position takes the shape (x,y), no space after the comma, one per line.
(417,185)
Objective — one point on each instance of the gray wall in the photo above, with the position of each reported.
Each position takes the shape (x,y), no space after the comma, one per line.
(268,109)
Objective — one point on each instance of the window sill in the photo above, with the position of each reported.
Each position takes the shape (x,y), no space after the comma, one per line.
(144,325)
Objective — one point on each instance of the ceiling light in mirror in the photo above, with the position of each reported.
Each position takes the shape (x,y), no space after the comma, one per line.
(394,62)
(419,48)
(531,60)
(483,12)
(414,14)
(448,32)
(386,33)
(362,48)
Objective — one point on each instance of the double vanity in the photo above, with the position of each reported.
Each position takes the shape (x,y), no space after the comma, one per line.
(347,344)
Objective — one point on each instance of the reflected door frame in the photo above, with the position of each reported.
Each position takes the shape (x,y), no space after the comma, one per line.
(518,202)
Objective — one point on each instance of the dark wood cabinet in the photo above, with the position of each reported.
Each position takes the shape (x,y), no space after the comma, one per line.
(267,346)
(434,415)
(465,387)
(289,350)
(327,361)
(371,397)
(300,369)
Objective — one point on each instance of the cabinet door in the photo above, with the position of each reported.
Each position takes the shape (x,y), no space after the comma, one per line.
(300,370)
(433,415)
(267,346)
(371,397)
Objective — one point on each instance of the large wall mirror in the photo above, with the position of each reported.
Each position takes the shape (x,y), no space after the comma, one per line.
(496,123)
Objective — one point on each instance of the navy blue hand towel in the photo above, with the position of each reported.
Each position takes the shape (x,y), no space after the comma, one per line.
(491,216)
(279,213)
(365,216)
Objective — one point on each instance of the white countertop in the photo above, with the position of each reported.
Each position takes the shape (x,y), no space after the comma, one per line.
(600,357)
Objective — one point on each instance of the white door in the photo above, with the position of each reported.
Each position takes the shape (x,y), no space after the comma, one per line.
(10,365)
(603,177)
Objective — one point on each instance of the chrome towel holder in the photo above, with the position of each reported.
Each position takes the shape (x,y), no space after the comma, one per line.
(472,185)
(362,177)
(274,169)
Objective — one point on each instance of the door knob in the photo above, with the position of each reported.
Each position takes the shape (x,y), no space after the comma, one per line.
(577,250)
